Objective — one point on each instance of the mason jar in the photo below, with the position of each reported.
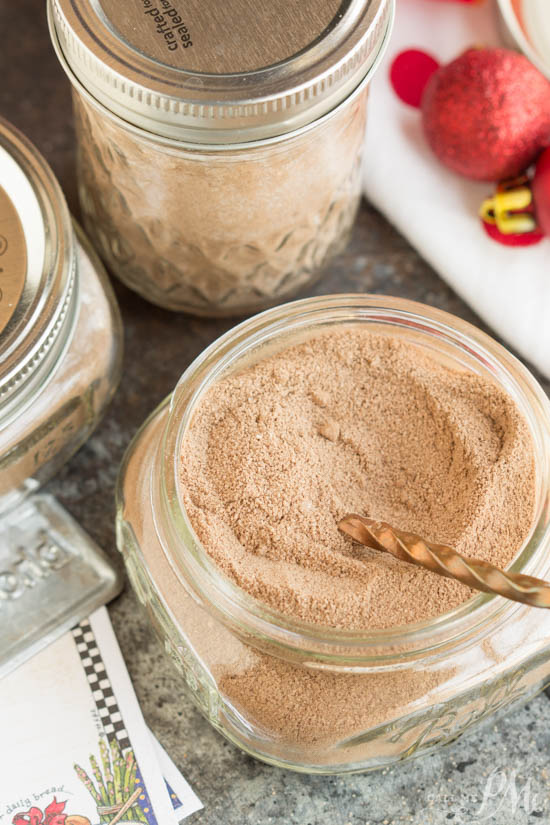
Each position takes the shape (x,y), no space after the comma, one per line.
(219,145)
(255,673)
(60,362)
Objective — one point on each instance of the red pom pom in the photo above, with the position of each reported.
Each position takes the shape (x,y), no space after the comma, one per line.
(541,191)
(409,73)
(486,115)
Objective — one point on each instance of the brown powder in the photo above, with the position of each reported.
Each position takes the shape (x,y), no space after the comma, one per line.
(355,421)
(296,708)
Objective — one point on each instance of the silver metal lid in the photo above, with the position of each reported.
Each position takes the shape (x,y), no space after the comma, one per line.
(209,72)
(527,28)
(52,575)
(37,278)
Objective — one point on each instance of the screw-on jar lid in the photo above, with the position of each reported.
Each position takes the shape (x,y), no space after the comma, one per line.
(36,266)
(220,72)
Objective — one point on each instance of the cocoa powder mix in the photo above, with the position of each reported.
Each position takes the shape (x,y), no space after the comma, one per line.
(354,421)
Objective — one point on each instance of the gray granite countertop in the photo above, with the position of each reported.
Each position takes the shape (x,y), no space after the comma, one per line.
(447,787)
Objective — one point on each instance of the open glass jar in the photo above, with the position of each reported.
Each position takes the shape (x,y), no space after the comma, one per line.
(219,148)
(259,676)
(60,361)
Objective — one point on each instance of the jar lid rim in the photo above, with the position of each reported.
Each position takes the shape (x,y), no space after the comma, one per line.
(39,262)
(203,107)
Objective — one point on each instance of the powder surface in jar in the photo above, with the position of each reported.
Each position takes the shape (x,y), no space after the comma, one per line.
(354,421)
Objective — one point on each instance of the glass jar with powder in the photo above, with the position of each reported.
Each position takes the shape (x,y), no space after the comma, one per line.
(219,145)
(304,649)
(60,360)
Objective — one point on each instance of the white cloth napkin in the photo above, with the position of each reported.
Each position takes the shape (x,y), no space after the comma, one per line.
(435,209)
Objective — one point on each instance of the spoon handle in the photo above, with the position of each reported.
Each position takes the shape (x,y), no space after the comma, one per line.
(480,575)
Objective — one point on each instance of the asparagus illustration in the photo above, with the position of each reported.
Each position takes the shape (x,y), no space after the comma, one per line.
(107,768)
(129,776)
(88,784)
(118,770)
(130,772)
(99,779)
(129,785)
(115,783)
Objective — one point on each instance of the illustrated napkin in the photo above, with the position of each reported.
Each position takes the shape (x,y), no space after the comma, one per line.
(435,209)
(183,798)
(76,748)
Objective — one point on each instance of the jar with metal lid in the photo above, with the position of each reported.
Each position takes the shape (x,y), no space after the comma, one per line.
(60,362)
(219,145)
(312,696)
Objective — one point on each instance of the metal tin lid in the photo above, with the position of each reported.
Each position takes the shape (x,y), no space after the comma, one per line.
(36,267)
(527,27)
(210,72)
(52,575)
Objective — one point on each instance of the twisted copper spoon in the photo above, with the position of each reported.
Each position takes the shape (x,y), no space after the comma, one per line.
(480,575)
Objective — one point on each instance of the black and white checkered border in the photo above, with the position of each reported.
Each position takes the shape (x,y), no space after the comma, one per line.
(102,692)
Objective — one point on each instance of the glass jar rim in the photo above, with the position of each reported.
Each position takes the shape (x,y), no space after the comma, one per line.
(253,618)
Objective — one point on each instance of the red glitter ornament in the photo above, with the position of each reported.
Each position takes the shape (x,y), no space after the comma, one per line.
(486,115)
(541,191)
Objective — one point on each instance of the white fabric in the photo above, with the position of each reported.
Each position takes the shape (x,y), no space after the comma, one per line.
(436,209)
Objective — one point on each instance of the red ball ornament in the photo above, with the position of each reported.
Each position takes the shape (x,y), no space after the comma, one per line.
(486,115)
(541,191)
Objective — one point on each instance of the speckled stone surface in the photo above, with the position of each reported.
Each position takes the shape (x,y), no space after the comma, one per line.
(447,787)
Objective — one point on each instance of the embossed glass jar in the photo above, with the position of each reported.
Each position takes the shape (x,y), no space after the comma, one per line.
(219,167)
(426,683)
(60,361)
